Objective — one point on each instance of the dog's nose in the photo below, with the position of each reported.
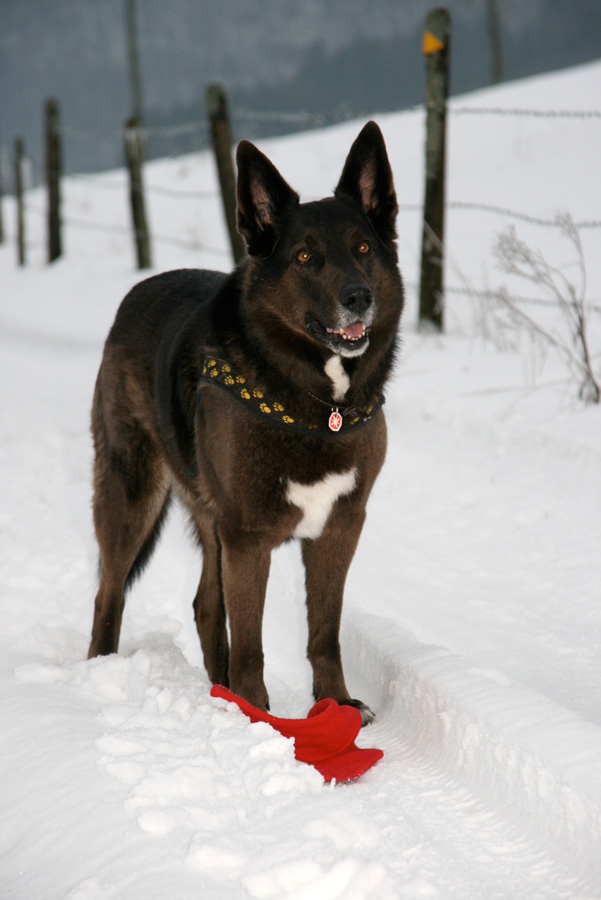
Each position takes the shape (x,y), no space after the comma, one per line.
(356,297)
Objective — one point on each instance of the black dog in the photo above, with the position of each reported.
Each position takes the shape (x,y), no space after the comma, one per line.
(255,397)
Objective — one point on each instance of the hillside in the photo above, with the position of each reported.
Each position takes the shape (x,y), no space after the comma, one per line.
(472,609)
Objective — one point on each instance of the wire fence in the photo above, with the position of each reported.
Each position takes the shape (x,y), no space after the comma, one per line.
(534,113)
(320,120)
(477,294)
(311,119)
(99,182)
(116,229)
(199,129)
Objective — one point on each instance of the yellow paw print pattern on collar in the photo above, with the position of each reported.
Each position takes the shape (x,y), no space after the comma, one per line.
(221,373)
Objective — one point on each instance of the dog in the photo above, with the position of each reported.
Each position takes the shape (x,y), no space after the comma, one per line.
(255,397)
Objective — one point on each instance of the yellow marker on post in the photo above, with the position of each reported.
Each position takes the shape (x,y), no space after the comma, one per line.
(431,44)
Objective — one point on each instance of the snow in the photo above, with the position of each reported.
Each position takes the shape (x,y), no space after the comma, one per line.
(472,613)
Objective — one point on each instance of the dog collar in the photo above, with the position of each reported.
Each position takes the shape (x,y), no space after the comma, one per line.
(341,420)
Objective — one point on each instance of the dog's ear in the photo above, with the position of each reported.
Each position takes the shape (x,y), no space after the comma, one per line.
(264,199)
(367,180)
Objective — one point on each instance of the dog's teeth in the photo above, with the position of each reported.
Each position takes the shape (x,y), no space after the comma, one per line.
(340,332)
(348,337)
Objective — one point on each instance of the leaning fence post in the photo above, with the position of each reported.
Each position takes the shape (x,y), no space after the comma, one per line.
(134,158)
(19,189)
(53,177)
(222,148)
(436,51)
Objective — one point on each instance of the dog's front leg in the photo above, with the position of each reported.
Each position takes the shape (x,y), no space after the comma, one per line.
(245,569)
(327,560)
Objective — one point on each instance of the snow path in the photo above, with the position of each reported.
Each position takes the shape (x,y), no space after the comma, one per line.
(471,621)
(188,791)
(135,763)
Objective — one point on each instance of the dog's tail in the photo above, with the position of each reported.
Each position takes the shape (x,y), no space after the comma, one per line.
(149,544)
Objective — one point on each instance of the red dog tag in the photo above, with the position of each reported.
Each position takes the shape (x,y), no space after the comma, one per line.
(335,421)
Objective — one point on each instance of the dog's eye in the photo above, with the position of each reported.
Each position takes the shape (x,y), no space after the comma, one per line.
(364,247)
(303,256)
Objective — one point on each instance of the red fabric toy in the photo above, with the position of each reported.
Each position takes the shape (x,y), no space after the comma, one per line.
(325,739)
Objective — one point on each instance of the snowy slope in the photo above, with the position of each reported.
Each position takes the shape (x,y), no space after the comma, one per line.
(472,616)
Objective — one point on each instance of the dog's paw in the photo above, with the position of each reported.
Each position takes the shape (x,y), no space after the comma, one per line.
(367,714)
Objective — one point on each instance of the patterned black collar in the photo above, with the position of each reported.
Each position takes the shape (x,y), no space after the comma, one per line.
(339,420)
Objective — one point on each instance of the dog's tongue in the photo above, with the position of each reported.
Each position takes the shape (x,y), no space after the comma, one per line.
(354,330)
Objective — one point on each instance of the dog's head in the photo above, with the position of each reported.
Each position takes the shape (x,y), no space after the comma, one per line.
(325,270)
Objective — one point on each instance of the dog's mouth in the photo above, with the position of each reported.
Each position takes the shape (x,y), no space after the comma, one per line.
(354,332)
(349,339)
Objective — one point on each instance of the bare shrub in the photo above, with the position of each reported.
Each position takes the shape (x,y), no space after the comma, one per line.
(515,257)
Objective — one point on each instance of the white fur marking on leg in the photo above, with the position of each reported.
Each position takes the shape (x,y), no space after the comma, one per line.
(316,500)
(340,380)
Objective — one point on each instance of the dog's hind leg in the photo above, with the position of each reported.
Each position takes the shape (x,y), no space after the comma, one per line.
(131,497)
(209,608)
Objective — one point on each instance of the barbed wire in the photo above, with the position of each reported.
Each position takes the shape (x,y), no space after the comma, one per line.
(535,113)
(89,133)
(173,192)
(499,210)
(159,238)
(479,294)
(147,131)
(592,306)
(524,217)
(98,181)
(95,182)
(407,207)
(306,117)
(112,228)
(200,125)
(273,115)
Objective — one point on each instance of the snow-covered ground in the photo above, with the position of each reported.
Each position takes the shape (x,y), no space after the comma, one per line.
(473,615)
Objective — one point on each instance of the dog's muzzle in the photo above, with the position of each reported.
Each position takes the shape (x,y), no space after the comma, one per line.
(349,335)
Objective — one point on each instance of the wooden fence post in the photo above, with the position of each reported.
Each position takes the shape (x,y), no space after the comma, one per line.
(494,36)
(222,148)
(53,177)
(134,159)
(19,189)
(1,193)
(436,51)
(133,59)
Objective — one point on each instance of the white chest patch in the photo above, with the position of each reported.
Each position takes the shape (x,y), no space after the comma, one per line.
(340,380)
(316,500)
